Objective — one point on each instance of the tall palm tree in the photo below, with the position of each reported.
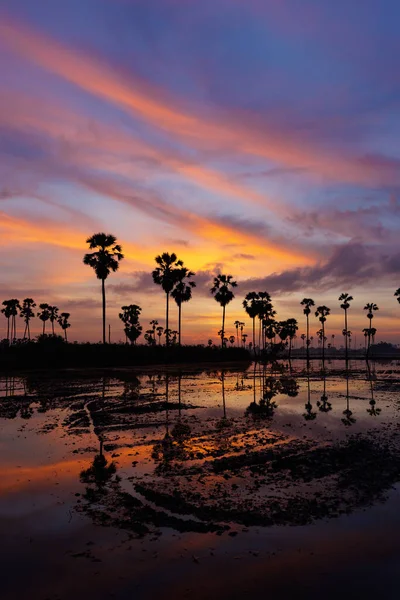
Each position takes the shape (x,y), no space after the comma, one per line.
(64,323)
(307,303)
(44,314)
(251,304)
(105,259)
(166,276)
(345,299)
(160,331)
(27,314)
(53,310)
(223,295)
(370,307)
(303,337)
(292,327)
(322,312)
(182,292)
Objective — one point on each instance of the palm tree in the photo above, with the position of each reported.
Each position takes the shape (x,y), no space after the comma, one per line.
(251,304)
(166,275)
(44,314)
(53,310)
(244,338)
(307,303)
(182,292)
(292,327)
(345,299)
(7,312)
(223,295)
(160,331)
(130,318)
(237,325)
(27,314)
(232,339)
(322,312)
(64,323)
(105,259)
(370,308)
(397,294)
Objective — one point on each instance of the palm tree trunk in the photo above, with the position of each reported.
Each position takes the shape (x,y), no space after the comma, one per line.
(254,335)
(8,329)
(290,347)
(223,326)
(308,340)
(166,322)
(323,344)
(345,328)
(52,326)
(103,294)
(180,320)
(26,327)
(44,325)
(29,331)
(65,335)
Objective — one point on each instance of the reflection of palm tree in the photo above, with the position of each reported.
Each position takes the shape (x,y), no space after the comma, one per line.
(348,415)
(166,275)
(323,404)
(100,472)
(309,415)
(105,259)
(373,411)
(223,295)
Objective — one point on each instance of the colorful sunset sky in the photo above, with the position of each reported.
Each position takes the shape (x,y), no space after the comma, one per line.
(258,138)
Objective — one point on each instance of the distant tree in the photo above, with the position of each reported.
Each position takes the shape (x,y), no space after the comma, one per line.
(105,259)
(370,307)
(307,303)
(397,294)
(223,295)
(53,316)
(130,317)
(291,327)
(160,331)
(237,325)
(10,311)
(345,299)
(27,314)
(166,275)
(209,343)
(182,292)
(251,304)
(232,339)
(64,323)
(244,338)
(303,337)
(322,312)
(44,314)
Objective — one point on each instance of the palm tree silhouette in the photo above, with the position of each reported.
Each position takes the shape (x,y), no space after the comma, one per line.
(292,327)
(64,323)
(182,292)
(160,331)
(130,318)
(223,295)
(27,314)
(251,304)
(307,303)
(244,338)
(53,316)
(370,308)
(266,314)
(303,337)
(166,275)
(345,299)
(322,312)
(8,312)
(237,325)
(397,294)
(44,314)
(105,259)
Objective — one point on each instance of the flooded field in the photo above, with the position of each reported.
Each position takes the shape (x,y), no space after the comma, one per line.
(201,483)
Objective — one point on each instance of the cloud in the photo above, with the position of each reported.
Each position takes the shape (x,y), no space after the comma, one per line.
(350,265)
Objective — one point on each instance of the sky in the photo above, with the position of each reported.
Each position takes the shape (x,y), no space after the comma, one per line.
(258,138)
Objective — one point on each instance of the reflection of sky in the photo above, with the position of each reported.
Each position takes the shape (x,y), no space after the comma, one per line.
(259,138)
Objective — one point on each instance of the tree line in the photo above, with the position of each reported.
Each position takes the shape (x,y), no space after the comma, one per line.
(177,282)
(13,308)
